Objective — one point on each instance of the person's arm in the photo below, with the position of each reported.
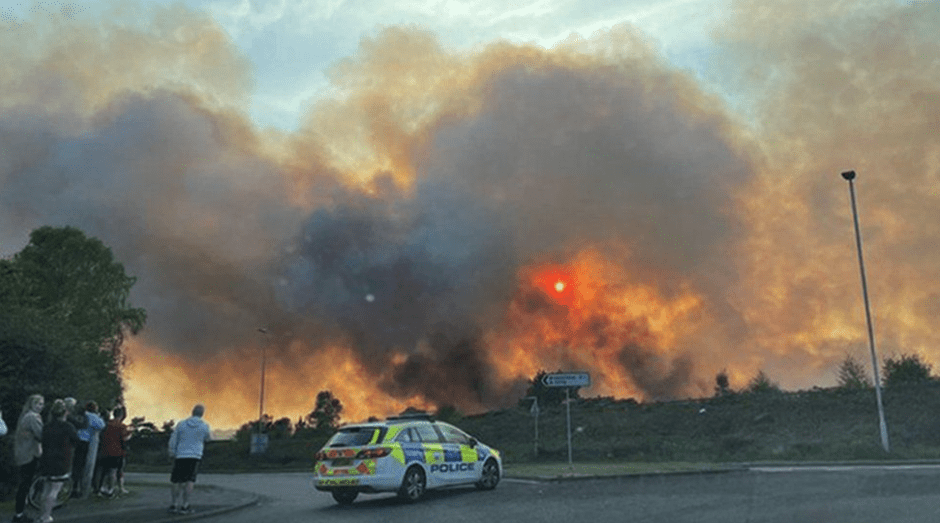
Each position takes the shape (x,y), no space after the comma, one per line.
(172,445)
(34,426)
(73,436)
(96,423)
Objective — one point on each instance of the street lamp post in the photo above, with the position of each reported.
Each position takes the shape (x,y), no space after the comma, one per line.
(259,441)
(850,177)
(264,347)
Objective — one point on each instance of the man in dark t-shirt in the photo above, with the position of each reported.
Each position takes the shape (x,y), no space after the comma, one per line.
(59,438)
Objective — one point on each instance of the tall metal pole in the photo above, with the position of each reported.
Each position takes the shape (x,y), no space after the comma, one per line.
(261,402)
(850,176)
(568,415)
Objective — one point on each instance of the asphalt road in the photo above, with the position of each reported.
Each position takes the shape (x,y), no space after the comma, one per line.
(818,495)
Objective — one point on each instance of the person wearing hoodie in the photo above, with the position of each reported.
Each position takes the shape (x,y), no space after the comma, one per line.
(27,448)
(186,445)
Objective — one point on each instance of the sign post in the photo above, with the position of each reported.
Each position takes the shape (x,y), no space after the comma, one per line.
(534,410)
(568,380)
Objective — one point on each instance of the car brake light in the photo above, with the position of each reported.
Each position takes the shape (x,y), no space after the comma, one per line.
(380,452)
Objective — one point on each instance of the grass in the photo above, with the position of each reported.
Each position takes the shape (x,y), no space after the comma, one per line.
(563,470)
(814,425)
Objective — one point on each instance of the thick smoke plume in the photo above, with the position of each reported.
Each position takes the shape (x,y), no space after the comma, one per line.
(453,222)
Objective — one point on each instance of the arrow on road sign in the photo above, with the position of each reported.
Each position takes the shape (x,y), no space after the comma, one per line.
(567,379)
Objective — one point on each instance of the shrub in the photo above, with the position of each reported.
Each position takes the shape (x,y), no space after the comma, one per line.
(762,384)
(905,369)
(852,374)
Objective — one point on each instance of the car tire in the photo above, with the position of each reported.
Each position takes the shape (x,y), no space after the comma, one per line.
(489,477)
(413,485)
(345,497)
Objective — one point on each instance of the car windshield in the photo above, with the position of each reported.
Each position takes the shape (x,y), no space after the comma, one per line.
(355,436)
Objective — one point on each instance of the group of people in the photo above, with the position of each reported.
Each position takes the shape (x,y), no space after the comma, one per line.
(71,445)
(88,449)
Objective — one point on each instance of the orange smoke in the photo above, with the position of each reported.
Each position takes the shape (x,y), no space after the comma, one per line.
(609,325)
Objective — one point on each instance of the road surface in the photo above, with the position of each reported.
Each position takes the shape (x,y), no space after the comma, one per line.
(816,494)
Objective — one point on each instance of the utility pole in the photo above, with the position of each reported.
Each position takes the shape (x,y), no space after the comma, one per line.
(850,177)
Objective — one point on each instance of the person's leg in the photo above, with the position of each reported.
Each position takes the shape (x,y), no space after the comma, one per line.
(176,490)
(78,468)
(26,474)
(120,476)
(187,494)
(88,477)
(50,491)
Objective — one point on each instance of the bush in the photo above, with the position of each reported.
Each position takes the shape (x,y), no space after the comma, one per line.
(761,384)
(852,374)
(905,369)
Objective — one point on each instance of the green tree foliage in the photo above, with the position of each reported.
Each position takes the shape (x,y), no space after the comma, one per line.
(905,369)
(64,313)
(852,375)
(762,384)
(547,395)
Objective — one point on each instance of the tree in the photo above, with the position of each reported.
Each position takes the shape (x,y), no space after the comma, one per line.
(722,384)
(326,413)
(547,395)
(64,313)
(852,375)
(762,384)
(905,369)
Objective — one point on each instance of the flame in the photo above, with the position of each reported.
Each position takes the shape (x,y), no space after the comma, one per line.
(604,314)
(166,386)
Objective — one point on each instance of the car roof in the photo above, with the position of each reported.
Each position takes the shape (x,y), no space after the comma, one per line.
(412,419)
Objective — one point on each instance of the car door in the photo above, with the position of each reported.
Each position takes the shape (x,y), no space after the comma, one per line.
(434,458)
(460,454)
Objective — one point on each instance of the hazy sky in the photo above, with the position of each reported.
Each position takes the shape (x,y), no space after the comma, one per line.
(292,44)
(428,203)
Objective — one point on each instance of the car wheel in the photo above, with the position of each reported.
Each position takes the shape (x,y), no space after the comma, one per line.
(413,485)
(489,478)
(345,497)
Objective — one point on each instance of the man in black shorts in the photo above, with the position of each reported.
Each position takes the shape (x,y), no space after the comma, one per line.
(186,445)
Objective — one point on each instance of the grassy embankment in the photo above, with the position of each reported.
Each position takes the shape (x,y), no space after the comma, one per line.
(817,425)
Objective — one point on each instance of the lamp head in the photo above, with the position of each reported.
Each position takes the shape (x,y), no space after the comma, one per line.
(849,175)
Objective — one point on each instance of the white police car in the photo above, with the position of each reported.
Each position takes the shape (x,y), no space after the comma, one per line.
(405,454)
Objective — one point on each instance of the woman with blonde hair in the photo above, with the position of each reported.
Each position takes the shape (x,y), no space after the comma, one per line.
(27,448)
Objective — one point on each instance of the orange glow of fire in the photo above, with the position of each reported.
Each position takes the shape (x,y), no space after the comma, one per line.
(162,386)
(603,310)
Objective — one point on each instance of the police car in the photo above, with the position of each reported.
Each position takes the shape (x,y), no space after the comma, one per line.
(403,454)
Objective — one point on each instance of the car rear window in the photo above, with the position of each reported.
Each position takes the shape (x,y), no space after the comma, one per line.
(356,436)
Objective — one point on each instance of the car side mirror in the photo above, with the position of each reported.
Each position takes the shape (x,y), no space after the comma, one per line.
(473,443)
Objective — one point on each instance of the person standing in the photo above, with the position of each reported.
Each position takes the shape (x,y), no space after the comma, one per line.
(3,426)
(186,446)
(27,447)
(87,450)
(113,436)
(59,438)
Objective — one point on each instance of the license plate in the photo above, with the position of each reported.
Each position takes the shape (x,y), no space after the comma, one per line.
(338,482)
(342,462)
